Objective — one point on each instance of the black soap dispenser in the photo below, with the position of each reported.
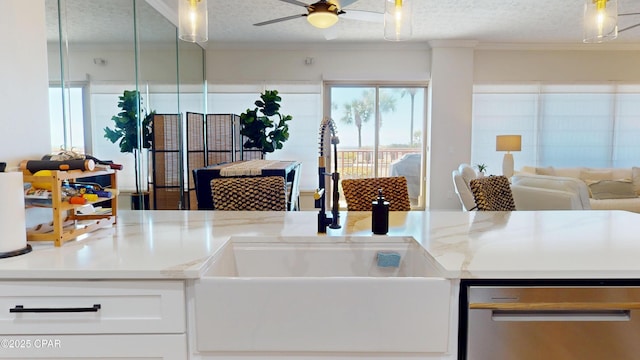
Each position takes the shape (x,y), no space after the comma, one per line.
(380,215)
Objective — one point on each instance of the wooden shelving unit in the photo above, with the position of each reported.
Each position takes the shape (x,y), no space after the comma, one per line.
(63,210)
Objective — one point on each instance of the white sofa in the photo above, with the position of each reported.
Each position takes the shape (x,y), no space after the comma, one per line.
(530,192)
(541,192)
(606,188)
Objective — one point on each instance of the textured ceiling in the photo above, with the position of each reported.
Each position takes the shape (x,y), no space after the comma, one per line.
(106,21)
(528,22)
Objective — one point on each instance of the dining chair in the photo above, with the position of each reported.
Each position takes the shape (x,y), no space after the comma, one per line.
(492,193)
(249,193)
(360,193)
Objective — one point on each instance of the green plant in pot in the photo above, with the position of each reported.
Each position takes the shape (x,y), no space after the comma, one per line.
(481,169)
(263,132)
(126,133)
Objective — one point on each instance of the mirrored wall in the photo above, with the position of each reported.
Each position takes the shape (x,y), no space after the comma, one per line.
(98,49)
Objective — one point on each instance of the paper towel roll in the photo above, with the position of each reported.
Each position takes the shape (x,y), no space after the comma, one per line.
(13,233)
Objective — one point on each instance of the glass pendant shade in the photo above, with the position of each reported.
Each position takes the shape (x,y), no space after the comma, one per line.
(193,20)
(600,20)
(322,19)
(397,20)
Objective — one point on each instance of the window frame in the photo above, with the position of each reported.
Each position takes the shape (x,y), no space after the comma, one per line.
(421,125)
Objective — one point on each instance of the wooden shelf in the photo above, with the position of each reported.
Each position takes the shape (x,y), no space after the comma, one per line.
(64,211)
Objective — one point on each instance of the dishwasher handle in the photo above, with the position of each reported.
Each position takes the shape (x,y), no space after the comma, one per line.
(558,311)
(560,315)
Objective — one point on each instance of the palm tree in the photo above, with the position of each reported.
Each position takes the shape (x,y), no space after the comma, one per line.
(359,111)
(387,104)
(412,92)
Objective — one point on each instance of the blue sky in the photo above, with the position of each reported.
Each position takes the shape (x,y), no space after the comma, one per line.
(395,125)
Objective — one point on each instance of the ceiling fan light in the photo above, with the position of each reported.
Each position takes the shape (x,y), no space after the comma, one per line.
(600,21)
(397,20)
(193,20)
(322,19)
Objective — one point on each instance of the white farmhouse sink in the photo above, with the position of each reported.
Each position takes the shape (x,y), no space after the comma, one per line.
(322,294)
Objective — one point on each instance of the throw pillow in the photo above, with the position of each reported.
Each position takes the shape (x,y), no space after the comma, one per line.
(592,176)
(612,189)
(549,170)
(635,179)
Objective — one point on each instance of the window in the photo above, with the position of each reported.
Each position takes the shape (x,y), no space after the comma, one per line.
(381,131)
(67,122)
(561,125)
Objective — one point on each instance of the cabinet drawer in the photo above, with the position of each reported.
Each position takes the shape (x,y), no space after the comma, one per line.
(105,347)
(91,307)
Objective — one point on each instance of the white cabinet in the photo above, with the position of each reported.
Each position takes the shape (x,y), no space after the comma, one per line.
(93,319)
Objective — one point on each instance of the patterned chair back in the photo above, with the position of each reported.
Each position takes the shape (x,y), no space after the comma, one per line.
(492,193)
(249,193)
(360,193)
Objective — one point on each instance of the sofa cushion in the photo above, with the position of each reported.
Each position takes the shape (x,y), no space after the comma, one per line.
(632,204)
(549,170)
(590,176)
(526,170)
(621,174)
(635,179)
(557,183)
(612,189)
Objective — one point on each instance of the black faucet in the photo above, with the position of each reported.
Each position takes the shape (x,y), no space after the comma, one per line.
(323,220)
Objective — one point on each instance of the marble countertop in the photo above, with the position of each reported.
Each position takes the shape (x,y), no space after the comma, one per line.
(520,244)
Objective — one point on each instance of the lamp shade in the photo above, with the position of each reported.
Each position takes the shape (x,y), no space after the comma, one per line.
(508,143)
(397,20)
(600,21)
(193,22)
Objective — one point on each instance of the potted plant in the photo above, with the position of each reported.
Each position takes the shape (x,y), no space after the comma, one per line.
(261,131)
(126,131)
(481,169)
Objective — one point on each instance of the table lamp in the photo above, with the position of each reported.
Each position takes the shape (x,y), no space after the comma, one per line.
(508,143)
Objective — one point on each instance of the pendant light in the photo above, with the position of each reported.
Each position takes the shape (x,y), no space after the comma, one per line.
(600,20)
(193,20)
(397,20)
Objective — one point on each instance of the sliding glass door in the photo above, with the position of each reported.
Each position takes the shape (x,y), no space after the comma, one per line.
(381,131)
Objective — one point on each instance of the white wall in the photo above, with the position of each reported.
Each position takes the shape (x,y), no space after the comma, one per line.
(24,92)
(390,62)
(450,98)
(158,65)
(494,66)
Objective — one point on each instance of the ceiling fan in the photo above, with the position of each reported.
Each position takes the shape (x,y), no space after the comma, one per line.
(629,27)
(324,13)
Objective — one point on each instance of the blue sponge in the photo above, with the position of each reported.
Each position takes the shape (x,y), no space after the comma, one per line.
(388,259)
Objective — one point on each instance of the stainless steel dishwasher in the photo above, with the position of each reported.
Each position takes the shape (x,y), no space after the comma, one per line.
(553,322)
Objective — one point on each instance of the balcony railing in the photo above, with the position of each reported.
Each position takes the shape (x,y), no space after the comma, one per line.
(359,163)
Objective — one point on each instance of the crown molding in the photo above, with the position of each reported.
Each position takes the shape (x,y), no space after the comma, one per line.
(442,43)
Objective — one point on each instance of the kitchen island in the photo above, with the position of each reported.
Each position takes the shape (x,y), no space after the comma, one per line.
(151,260)
(179,244)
